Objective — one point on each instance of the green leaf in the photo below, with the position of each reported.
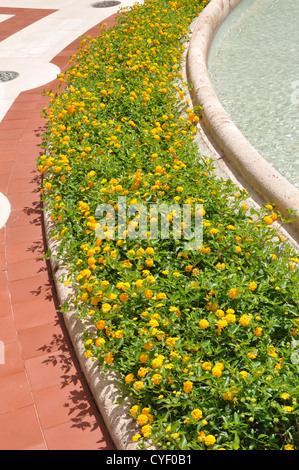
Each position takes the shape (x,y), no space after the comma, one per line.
(236,442)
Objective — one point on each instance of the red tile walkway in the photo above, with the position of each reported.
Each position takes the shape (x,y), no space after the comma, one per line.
(45,403)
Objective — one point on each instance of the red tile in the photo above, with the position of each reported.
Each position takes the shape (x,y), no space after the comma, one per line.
(20,170)
(20,429)
(23,250)
(19,106)
(37,288)
(5,305)
(23,233)
(72,402)
(24,217)
(69,437)
(15,392)
(3,282)
(11,134)
(31,313)
(42,339)
(3,263)
(8,329)
(8,124)
(20,201)
(8,144)
(5,167)
(26,268)
(22,185)
(4,183)
(8,155)
(13,362)
(48,370)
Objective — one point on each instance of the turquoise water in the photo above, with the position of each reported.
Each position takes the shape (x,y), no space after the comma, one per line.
(253,68)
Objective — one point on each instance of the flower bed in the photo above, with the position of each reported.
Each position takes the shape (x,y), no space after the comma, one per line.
(205,339)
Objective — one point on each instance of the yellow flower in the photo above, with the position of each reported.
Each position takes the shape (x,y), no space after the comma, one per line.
(142,419)
(196,413)
(158,361)
(233,293)
(188,269)
(258,331)
(134,410)
(252,354)
(142,371)
(161,296)
(268,220)
(138,385)
(123,297)
(84,297)
(209,440)
(230,318)
(206,366)
(271,350)
(148,294)
(203,324)
(157,379)
(129,378)
(252,286)
(187,386)
(217,369)
(146,430)
(285,395)
(106,308)
(201,436)
(109,358)
(289,409)
(244,320)
(101,324)
(289,447)
(222,323)
(100,342)
(136,437)
(149,262)
(143,358)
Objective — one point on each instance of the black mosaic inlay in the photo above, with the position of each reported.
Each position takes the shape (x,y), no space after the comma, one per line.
(105,4)
(6,75)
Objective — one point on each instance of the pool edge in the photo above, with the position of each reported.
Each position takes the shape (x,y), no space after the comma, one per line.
(262,176)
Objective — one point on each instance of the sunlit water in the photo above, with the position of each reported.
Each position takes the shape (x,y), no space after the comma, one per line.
(253,67)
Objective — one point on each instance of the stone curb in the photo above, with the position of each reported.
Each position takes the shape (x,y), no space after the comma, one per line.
(263,178)
(104,385)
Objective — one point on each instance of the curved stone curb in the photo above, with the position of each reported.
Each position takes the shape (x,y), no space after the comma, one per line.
(104,385)
(263,178)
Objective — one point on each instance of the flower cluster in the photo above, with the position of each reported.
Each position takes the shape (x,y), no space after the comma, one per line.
(205,339)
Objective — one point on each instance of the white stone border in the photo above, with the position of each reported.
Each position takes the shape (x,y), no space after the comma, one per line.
(260,175)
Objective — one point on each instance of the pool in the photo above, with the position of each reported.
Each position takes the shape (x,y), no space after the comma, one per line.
(253,68)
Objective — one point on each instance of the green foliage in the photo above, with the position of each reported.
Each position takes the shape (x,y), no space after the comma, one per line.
(204,339)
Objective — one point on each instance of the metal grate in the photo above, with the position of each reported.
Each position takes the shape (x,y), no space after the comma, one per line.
(6,76)
(105,4)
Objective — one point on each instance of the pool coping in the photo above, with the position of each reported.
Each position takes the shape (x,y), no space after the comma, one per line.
(221,131)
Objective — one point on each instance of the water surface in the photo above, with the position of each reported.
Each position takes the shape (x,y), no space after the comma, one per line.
(253,67)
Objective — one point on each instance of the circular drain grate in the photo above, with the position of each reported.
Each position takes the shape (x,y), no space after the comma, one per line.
(105,4)
(6,76)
